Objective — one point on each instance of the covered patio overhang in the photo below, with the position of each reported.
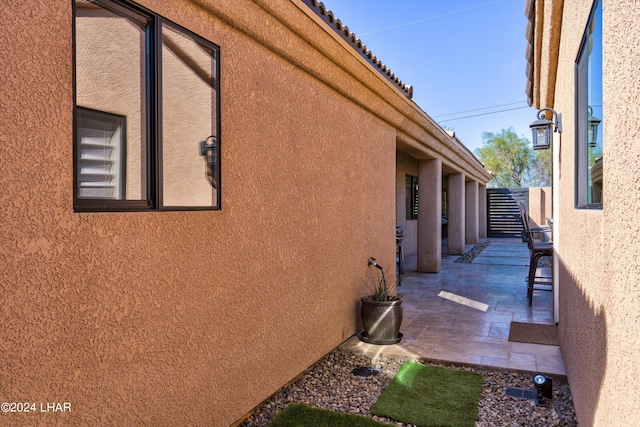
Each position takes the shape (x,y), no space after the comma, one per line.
(451,190)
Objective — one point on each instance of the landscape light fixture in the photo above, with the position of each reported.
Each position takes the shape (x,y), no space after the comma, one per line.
(544,387)
(593,128)
(372,262)
(543,129)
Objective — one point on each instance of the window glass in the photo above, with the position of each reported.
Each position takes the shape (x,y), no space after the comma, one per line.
(110,78)
(188,117)
(590,115)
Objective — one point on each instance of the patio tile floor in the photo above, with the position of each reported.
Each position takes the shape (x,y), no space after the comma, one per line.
(438,329)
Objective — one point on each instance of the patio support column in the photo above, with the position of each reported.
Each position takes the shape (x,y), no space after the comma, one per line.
(430,215)
(471,212)
(482,211)
(456,214)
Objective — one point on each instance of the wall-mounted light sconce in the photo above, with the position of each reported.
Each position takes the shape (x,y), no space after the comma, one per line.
(209,150)
(210,153)
(543,129)
(544,387)
(593,128)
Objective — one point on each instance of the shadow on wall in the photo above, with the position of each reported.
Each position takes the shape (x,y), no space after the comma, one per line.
(582,331)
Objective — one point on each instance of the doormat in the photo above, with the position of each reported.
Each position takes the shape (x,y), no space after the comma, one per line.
(534,333)
(429,396)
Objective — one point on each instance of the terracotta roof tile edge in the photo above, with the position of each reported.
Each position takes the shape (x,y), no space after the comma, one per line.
(529,12)
(343,31)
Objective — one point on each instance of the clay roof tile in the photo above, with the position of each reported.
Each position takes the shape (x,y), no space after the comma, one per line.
(343,31)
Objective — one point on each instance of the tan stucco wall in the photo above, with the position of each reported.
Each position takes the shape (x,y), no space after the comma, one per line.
(183,318)
(597,250)
(539,205)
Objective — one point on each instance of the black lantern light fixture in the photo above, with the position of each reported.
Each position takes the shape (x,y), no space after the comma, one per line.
(208,150)
(543,129)
(593,128)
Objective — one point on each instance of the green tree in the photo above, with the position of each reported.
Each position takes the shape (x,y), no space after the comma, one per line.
(541,169)
(507,156)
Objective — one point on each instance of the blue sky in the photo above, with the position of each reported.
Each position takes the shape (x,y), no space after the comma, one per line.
(462,57)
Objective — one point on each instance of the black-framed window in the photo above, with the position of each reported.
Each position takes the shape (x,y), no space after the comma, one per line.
(412,197)
(147,102)
(590,115)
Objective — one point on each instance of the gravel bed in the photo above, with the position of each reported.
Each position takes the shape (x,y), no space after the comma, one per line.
(330,384)
(477,249)
(472,253)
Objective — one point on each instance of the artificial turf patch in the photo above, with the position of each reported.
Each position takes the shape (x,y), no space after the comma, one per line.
(301,415)
(429,396)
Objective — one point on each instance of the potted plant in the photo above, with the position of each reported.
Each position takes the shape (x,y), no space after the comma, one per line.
(381,309)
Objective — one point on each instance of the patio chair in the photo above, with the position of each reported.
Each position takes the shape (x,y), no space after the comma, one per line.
(538,248)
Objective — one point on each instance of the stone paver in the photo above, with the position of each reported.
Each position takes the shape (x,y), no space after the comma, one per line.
(472,328)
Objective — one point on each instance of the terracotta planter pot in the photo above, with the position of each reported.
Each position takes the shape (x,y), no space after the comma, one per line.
(381,321)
